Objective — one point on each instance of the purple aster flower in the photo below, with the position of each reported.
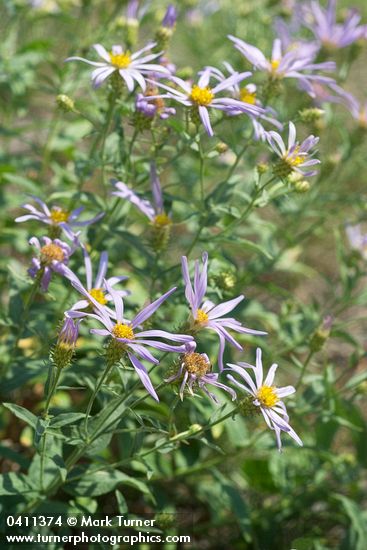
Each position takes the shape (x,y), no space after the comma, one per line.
(53,256)
(266,396)
(296,155)
(247,95)
(154,212)
(56,216)
(329,33)
(194,370)
(357,239)
(287,33)
(151,108)
(321,92)
(291,64)
(63,352)
(207,315)
(131,67)
(202,97)
(133,343)
(170,17)
(95,289)
(69,333)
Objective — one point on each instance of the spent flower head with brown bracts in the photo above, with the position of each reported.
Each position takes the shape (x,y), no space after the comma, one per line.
(93,289)
(207,315)
(266,396)
(201,97)
(55,217)
(194,369)
(129,340)
(132,67)
(52,257)
(295,155)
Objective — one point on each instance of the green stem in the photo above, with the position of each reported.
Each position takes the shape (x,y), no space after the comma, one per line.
(304,368)
(111,108)
(94,394)
(51,393)
(202,159)
(52,390)
(238,158)
(46,148)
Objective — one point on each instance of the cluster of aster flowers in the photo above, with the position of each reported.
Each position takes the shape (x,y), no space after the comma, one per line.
(161,90)
(158,92)
(129,342)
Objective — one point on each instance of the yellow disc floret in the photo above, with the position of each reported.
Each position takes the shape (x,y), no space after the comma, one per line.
(161,220)
(120,60)
(58,215)
(51,252)
(123,331)
(201,96)
(275,64)
(201,317)
(196,363)
(294,159)
(248,97)
(98,295)
(267,396)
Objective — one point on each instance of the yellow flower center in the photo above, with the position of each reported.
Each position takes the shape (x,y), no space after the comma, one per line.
(267,396)
(274,64)
(58,215)
(51,252)
(123,331)
(195,363)
(294,159)
(98,295)
(162,220)
(201,317)
(248,97)
(120,60)
(201,96)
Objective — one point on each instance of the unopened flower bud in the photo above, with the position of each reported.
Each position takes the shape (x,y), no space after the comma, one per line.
(322,334)
(225,280)
(185,73)
(63,352)
(165,520)
(302,186)
(313,114)
(221,147)
(65,103)
(162,37)
(161,232)
(262,168)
